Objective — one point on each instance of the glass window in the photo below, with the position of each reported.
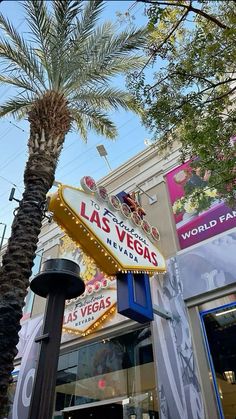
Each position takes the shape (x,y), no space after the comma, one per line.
(220,331)
(119,368)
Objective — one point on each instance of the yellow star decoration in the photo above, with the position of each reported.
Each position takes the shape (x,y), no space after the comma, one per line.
(90,268)
(67,245)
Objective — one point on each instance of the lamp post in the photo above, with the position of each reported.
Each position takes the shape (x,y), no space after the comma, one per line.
(103,153)
(3,235)
(58,281)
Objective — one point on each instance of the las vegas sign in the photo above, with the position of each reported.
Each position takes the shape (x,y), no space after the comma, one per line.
(116,238)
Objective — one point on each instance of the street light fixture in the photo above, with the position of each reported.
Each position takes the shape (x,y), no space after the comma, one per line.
(103,153)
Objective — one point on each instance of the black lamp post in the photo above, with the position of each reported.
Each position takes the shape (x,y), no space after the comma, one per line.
(58,281)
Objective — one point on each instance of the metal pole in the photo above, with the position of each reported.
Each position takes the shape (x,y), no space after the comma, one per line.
(3,235)
(59,281)
(108,164)
(145,193)
(162,312)
(165,314)
(45,379)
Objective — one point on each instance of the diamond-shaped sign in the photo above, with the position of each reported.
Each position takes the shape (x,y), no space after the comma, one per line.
(89,311)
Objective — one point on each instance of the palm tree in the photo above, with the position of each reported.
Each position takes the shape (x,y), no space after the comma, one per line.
(63,80)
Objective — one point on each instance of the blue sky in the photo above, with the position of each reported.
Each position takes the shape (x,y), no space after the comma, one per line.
(77,159)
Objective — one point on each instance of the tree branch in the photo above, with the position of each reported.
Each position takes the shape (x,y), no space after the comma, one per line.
(165,40)
(208,17)
(188,99)
(218,84)
(221,96)
(173,29)
(197,76)
(190,8)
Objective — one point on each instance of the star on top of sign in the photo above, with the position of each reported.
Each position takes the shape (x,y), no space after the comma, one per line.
(130,200)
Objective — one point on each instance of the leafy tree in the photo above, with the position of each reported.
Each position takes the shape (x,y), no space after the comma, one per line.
(191,97)
(63,79)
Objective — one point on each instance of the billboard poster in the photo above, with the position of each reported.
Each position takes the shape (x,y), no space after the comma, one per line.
(208,266)
(29,351)
(193,224)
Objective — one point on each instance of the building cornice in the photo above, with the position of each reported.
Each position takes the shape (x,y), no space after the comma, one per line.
(159,167)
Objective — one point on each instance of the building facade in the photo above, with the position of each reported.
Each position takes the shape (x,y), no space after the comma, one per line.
(111,366)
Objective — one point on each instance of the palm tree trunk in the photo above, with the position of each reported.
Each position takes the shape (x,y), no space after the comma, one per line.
(49,122)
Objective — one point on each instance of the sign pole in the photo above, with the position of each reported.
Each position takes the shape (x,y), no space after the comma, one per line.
(59,280)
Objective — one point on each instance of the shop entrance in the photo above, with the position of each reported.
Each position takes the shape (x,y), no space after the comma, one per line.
(219,326)
(110,378)
(108,411)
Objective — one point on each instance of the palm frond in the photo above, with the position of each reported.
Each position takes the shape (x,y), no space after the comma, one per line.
(130,40)
(16,107)
(71,55)
(83,29)
(119,65)
(104,43)
(95,120)
(105,98)
(65,13)
(80,123)
(80,59)
(19,53)
(104,55)
(16,63)
(114,50)
(38,19)
(85,25)
(99,74)
(41,27)
(19,81)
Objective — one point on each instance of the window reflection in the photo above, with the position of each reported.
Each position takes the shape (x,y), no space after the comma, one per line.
(220,326)
(120,367)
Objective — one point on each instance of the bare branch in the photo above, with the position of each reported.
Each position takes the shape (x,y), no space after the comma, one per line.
(197,76)
(218,84)
(165,40)
(190,9)
(221,96)
(188,98)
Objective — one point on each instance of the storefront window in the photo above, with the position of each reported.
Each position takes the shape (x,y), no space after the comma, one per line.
(113,375)
(220,330)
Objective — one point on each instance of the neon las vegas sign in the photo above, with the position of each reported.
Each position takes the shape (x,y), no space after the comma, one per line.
(107,230)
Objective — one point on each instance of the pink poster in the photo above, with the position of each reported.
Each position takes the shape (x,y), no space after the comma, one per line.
(192,223)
